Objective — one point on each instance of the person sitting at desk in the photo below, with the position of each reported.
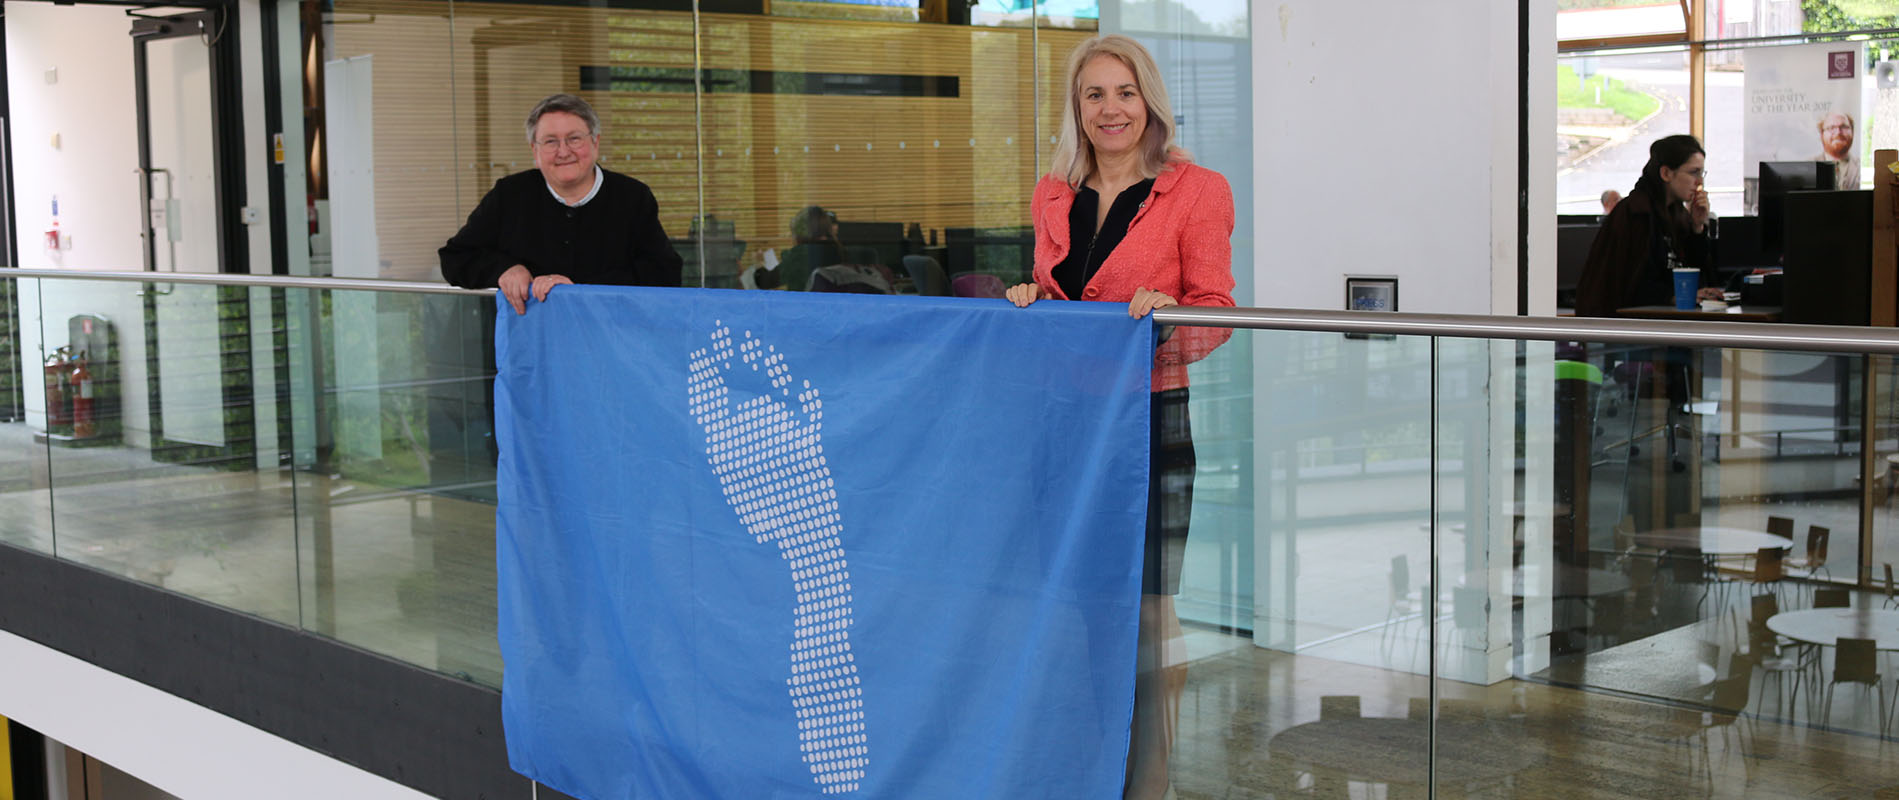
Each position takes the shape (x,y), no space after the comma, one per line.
(815,232)
(1661,224)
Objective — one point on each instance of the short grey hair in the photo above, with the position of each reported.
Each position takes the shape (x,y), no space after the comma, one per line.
(565,103)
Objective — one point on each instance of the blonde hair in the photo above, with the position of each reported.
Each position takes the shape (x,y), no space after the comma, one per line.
(1074,154)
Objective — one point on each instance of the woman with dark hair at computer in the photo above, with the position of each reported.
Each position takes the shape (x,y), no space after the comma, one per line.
(1660,225)
(1125,216)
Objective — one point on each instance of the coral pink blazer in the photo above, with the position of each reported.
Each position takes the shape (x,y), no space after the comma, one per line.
(1180,243)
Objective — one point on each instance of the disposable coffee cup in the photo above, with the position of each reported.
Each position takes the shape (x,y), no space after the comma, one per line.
(1687,283)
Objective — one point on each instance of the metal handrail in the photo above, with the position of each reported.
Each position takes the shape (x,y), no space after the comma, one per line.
(254,281)
(1677,333)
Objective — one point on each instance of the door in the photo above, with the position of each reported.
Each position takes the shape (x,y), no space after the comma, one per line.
(190,173)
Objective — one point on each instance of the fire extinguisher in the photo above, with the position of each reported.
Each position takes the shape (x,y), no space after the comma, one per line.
(59,409)
(84,426)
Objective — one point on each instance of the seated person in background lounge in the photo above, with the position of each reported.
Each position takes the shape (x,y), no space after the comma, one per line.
(815,231)
(1662,223)
(565,221)
(1610,197)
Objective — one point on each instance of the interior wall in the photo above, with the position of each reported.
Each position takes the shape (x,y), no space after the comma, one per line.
(1387,146)
(89,104)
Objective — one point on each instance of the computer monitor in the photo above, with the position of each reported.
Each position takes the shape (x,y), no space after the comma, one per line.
(1572,249)
(886,238)
(1006,252)
(1777,179)
(1740,244)
(1828,257)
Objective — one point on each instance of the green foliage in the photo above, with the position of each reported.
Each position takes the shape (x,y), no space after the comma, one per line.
(1832,16)
(1574,93)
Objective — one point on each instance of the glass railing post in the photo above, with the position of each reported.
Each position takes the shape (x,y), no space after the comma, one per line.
(1433,588)
(1868,465)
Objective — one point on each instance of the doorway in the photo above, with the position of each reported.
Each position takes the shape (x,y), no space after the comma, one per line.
(129,157)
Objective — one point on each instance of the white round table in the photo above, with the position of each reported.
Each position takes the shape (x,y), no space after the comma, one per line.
(1825,626)
(1712,541)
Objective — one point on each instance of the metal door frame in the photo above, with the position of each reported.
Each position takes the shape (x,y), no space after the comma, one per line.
(216,27)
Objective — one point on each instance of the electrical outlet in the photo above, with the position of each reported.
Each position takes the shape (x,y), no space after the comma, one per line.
(66,241)
(52,74)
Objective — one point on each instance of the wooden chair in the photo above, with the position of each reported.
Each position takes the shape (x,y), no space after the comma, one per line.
(1730,698)
(1832,598)
(1781,526)
(1814,563)
(1688,571)
(1892,599)
(1769,568)
(1405,604)
(1856,661)
(1768,653)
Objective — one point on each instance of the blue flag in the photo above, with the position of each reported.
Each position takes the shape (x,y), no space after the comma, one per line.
(787,545)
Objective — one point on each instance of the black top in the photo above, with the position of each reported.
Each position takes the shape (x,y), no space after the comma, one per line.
(1628,261)
(1087,248)
(794,271)
(615,238)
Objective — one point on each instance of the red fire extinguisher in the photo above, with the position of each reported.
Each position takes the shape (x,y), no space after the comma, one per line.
(59,409)
(84,426)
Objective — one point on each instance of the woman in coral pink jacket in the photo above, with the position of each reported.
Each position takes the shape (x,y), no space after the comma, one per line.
(1125,216)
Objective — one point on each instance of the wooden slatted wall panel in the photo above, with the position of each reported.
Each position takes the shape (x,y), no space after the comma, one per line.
(451,100)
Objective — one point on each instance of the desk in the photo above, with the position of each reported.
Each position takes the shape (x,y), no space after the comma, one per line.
(1394,750)
(1826,626)
(1712,541)
(1730,314)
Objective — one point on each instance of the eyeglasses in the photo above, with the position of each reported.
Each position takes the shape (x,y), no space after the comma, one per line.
(1838,129)
(1697,174)
(574,143)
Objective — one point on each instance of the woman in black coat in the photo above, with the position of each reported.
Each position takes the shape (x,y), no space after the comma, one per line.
(1665,214)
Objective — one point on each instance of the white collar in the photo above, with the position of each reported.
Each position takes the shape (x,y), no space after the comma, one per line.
(597,180)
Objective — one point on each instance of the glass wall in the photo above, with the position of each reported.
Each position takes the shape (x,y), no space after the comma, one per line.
(1534,560)
(911,132)
(920,128)
(1609,108)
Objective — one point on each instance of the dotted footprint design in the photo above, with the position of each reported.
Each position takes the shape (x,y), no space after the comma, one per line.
(770,463)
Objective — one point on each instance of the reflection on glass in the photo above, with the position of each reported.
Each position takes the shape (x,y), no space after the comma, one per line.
(1706,505)
(157,468)
(35,384)
(396,514)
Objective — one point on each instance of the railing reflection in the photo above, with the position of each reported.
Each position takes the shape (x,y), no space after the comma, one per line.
(320,454)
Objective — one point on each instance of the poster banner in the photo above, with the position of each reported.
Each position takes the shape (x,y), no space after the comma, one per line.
(793,545)
(1803,104)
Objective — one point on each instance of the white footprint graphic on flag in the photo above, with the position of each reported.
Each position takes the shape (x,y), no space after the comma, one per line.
(769,459)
